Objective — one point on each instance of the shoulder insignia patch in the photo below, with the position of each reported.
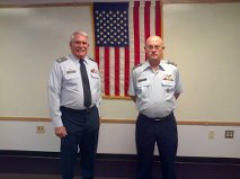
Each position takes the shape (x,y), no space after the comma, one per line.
(171,63)
(61,59)
(91,59)
(136,66)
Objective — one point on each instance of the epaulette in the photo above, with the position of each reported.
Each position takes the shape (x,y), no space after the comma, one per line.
(91,59)
(136,66)
(171,63)
(61,59)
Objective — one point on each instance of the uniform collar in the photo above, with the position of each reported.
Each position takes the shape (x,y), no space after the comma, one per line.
(146,65)
(76,60)
(162,65)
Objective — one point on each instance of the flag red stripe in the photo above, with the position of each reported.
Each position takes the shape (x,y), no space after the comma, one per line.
(158,18)
(136,33)
(147,19)
(106,71)
(117,71)
(97,55)
(126,70)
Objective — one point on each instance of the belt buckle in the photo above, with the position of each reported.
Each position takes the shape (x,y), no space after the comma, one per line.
(88,110)
(157,119)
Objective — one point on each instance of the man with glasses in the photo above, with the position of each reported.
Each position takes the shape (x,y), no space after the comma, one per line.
(154,87)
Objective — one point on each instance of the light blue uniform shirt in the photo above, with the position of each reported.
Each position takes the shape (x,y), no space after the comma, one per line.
(155,91)
(65,86)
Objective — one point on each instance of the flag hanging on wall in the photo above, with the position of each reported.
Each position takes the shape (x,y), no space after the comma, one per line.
(120,33)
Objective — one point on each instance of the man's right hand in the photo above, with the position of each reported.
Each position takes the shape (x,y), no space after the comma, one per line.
(60,131)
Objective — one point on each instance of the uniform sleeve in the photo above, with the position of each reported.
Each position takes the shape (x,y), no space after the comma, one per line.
(131,89)
(54,90)
(99,90)
(179,88)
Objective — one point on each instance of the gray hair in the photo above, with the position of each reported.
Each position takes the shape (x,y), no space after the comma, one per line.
(78,33)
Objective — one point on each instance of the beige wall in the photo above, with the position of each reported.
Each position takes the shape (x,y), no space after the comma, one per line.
(203,39)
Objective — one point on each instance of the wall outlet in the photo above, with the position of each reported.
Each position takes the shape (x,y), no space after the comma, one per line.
(40,129)
(211,134)
(229,134)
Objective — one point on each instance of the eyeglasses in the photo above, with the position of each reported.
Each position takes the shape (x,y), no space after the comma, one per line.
(156,47)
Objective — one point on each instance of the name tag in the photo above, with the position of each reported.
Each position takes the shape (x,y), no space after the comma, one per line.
(143,79)
(71,71)
(143,83)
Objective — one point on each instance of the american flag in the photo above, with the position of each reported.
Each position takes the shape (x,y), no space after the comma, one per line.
(120,33)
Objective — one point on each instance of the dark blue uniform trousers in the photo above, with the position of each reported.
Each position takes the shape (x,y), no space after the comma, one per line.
(82,128)
(163,132)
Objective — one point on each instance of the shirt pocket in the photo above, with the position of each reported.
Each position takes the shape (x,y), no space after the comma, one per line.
(95,75)
(168,85)
(143,87)
(95,81)
(71,76)
(72,79)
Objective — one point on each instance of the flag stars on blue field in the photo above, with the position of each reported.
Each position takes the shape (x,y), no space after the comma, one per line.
(111,27)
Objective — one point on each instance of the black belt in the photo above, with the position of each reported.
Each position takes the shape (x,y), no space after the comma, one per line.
(87,110)
(156,119)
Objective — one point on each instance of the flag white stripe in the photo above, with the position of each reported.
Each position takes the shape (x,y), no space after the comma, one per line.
(131,38)
(142,31)
(101,68)
(112,71)
(121,71)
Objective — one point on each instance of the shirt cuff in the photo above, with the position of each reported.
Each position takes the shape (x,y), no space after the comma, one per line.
(57,122)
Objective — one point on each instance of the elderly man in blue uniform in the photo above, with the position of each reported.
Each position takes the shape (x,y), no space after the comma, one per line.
(154,87)
(74,94)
